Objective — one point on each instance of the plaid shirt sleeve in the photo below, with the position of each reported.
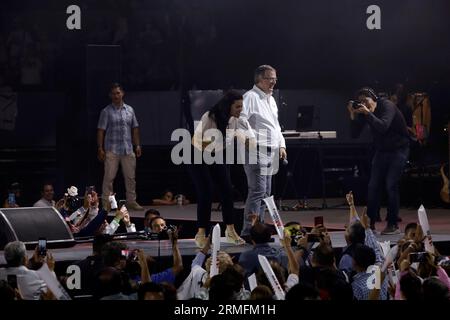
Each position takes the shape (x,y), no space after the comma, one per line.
(372,242)
(103,120)
(134,122)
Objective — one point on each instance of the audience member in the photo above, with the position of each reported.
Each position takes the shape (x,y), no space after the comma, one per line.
(260,235)
(47,194)
(30,284)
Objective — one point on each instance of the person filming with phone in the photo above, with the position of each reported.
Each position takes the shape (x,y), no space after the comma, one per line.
(29,283)
(391,144)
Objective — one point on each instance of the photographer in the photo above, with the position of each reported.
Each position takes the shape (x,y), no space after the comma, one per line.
(391,143)
(158,229)
(169,274)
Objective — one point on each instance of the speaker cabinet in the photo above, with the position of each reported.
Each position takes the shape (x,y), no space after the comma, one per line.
(29,224)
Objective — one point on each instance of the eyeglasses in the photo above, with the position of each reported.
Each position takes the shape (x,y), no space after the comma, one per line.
(271,79)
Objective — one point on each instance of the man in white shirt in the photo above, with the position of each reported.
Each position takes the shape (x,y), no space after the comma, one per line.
(261,111)
(30,284)
(47,193)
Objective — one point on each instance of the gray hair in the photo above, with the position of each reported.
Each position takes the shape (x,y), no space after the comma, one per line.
(15,253)
(261,71)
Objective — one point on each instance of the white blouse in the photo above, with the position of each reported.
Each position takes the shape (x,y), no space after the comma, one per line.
(237,127)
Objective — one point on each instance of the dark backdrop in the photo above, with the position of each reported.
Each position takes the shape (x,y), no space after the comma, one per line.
(321,49)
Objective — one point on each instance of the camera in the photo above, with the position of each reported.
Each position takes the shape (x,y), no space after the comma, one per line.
(163,235)
(73,203)
(170,229)
(356,104)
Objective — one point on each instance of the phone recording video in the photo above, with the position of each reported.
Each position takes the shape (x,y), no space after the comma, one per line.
(122,203)
(318,221)
(130,254)
(42,247)
(417,257)
(314,237)
(12,281)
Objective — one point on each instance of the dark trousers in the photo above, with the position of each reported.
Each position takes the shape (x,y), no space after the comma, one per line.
(387,169)
(205,177)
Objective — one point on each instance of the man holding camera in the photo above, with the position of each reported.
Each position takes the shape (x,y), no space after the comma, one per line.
(391,144)
(117,131)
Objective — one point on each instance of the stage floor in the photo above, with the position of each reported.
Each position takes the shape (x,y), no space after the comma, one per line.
(335,217)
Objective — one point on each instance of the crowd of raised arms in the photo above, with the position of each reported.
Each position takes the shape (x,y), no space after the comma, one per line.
(306,265)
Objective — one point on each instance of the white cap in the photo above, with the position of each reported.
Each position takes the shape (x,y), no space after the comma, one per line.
(72,191)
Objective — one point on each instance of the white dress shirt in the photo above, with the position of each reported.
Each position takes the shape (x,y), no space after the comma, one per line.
(29,283)
(261,111)
(44,203)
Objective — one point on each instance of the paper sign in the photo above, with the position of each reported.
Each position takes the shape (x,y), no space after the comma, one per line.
(374,280)
(52,283)
(277,289)
(278,223)
(385,247)
(423,221)
(252,282)
(215,247)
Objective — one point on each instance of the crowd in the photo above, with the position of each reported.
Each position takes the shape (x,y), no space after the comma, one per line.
(306,265)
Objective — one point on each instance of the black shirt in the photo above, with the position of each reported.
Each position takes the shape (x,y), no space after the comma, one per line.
(387,124)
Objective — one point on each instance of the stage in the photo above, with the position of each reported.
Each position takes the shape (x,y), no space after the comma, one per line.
(335,218)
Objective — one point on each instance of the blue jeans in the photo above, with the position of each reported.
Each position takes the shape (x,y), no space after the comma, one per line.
(259,187)
(387,169)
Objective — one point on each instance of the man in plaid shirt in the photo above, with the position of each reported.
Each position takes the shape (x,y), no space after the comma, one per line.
(117,131)
(363,257)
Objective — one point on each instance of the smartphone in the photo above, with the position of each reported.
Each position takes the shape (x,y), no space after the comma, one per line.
(42,247)
(313,237)
(133,255)
(318,221)
(121,203)
(125,253)
(12,281)
(11,199)
(417,257)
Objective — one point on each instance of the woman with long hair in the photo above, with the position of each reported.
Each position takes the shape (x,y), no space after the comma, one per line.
(224,118)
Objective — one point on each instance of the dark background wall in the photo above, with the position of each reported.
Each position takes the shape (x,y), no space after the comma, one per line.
(160,49)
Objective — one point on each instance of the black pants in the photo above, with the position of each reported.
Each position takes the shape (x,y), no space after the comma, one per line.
(387,169)
(203,176)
